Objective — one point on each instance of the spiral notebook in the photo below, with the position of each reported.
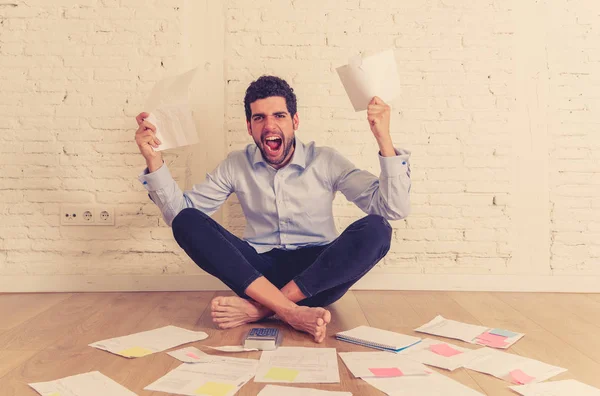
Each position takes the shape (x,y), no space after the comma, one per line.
(378,338)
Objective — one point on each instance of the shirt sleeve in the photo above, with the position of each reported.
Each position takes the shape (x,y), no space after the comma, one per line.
(387,196)
(207,196)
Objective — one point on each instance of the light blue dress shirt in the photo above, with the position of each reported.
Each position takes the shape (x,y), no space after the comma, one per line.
(291,207)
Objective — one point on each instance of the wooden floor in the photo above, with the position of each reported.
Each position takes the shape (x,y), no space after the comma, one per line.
(45,336)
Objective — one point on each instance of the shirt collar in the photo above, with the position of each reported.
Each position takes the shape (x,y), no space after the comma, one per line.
(298,158)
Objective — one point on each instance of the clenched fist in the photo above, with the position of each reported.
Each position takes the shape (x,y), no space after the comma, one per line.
(378,114)
(146,139)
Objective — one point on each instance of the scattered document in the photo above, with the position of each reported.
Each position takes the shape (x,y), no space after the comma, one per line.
(377,338)
(230,348)
(439,354)
(89,384)
(381,364)
(557,388)
(434,384)
(148,342)
(170,111)
(474,334)
(277,390)
(193,355)
(516,369)
(298,365)
(215,378)
(376,75)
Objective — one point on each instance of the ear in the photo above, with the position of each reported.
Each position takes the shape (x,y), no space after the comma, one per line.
(296,121)
(249,128)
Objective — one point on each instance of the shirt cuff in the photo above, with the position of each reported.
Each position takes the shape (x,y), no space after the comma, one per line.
(156,180)
(396,165)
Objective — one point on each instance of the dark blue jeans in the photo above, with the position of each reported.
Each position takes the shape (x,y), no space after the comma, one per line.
(323,273)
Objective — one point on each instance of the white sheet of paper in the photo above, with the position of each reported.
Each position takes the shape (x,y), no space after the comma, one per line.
(359,363)
(148,342)
(441,326)
(376,75)
(422,353)
(222,378)
(278,390)
(298,365)
(434,384)
(88,384)
(557,388)
(500,364)
(170,111)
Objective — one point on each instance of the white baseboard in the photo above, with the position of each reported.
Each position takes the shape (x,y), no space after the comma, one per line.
(373,281)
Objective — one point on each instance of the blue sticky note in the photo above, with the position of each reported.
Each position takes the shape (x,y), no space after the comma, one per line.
(502,332)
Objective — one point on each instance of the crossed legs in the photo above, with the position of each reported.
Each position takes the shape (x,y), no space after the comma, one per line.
(296,285)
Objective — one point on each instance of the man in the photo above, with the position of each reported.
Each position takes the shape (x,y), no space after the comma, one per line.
(291,261)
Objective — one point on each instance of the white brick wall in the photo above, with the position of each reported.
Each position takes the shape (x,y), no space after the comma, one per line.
(74,73)
(73,76)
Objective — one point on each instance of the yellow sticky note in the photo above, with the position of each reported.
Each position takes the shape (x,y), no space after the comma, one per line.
(215,389)
(282,374)
(135,352)
(54,394)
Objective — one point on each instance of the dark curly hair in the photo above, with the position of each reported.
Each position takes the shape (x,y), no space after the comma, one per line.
(267,86)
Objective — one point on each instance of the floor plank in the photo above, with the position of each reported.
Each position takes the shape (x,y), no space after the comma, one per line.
(564,322)
(51,341)
(18,308)
(538,343)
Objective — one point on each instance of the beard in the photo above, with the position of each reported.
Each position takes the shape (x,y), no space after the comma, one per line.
(283,151)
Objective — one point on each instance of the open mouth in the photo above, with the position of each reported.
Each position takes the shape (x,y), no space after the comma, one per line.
(273,144)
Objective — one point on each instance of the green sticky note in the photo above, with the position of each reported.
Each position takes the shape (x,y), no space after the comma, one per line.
(135,352)
(282,374)
(214,389)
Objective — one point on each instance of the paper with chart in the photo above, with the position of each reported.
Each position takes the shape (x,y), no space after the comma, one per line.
(148,342)
(557,388)
(376,75)
(213,378)
(512,368)
(434,384)
(474,334)
(381,364)
(298,365)
(170,111)
(88,384)
(439,354)
(278,390)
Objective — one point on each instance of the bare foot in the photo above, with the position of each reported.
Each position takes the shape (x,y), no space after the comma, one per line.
(311,320)
(232,311)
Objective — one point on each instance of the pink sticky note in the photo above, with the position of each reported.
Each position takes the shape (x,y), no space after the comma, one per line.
(493,344)
(386,372)
(192,355)
(444,350)
(519,377)
(492,337)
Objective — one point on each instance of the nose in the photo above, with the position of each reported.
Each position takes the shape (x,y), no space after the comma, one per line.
(270,123)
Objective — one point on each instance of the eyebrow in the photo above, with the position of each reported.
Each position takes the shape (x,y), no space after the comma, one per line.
(263,114)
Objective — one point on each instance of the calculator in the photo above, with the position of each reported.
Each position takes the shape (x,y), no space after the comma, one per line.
(265,339)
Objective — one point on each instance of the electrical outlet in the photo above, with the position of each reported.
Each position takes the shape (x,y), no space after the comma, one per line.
(104,215)
(86,214)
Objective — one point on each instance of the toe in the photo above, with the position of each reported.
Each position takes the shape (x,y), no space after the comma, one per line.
(327,316)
